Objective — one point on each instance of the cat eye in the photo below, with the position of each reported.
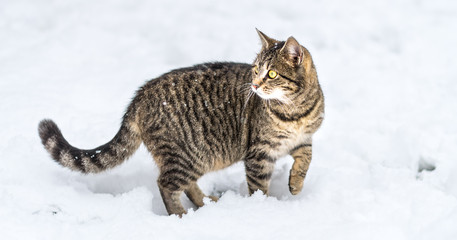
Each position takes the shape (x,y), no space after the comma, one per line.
(272,74)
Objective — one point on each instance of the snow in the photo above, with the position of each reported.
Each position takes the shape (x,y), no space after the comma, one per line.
(387,69)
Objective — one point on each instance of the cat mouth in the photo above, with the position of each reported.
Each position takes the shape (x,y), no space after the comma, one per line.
(259,92)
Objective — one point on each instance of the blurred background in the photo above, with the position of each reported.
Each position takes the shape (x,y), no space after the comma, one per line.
(388,70)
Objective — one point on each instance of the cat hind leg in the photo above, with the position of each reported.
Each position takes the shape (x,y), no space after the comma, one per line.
(195,194)
(172,181)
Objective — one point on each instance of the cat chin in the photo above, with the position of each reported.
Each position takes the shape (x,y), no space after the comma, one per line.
(276,94)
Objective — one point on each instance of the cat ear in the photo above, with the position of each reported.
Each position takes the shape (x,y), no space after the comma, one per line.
(267,42)
(293,51)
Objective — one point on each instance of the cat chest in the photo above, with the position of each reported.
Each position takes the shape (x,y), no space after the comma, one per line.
(287,141)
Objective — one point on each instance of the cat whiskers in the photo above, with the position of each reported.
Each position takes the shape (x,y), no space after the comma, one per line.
(250,93)
(244,87)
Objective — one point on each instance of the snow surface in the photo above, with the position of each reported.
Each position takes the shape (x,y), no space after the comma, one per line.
(388,70)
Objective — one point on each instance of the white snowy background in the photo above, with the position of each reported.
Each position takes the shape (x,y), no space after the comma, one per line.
(388,70)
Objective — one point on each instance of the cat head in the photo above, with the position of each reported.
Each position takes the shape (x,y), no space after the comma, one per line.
(281,69)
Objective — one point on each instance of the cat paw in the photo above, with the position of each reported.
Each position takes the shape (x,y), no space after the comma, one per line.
(296,180)
(213,198)
(295,189)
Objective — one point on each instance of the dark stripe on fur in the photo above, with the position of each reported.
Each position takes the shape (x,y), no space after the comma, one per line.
(87,161)
(300,146)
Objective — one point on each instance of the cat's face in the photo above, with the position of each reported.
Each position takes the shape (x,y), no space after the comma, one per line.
(278,71)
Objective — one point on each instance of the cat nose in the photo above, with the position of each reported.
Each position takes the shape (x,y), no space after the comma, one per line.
(255,86)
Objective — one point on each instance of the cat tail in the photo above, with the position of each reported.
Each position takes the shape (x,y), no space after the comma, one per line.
(106,156)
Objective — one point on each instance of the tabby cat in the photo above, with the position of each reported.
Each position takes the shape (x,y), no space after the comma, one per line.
(207,117)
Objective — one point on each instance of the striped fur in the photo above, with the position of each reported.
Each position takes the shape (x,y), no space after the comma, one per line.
(209,116)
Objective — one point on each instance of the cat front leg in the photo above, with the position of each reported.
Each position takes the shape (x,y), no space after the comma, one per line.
(258,173)
(302,158)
